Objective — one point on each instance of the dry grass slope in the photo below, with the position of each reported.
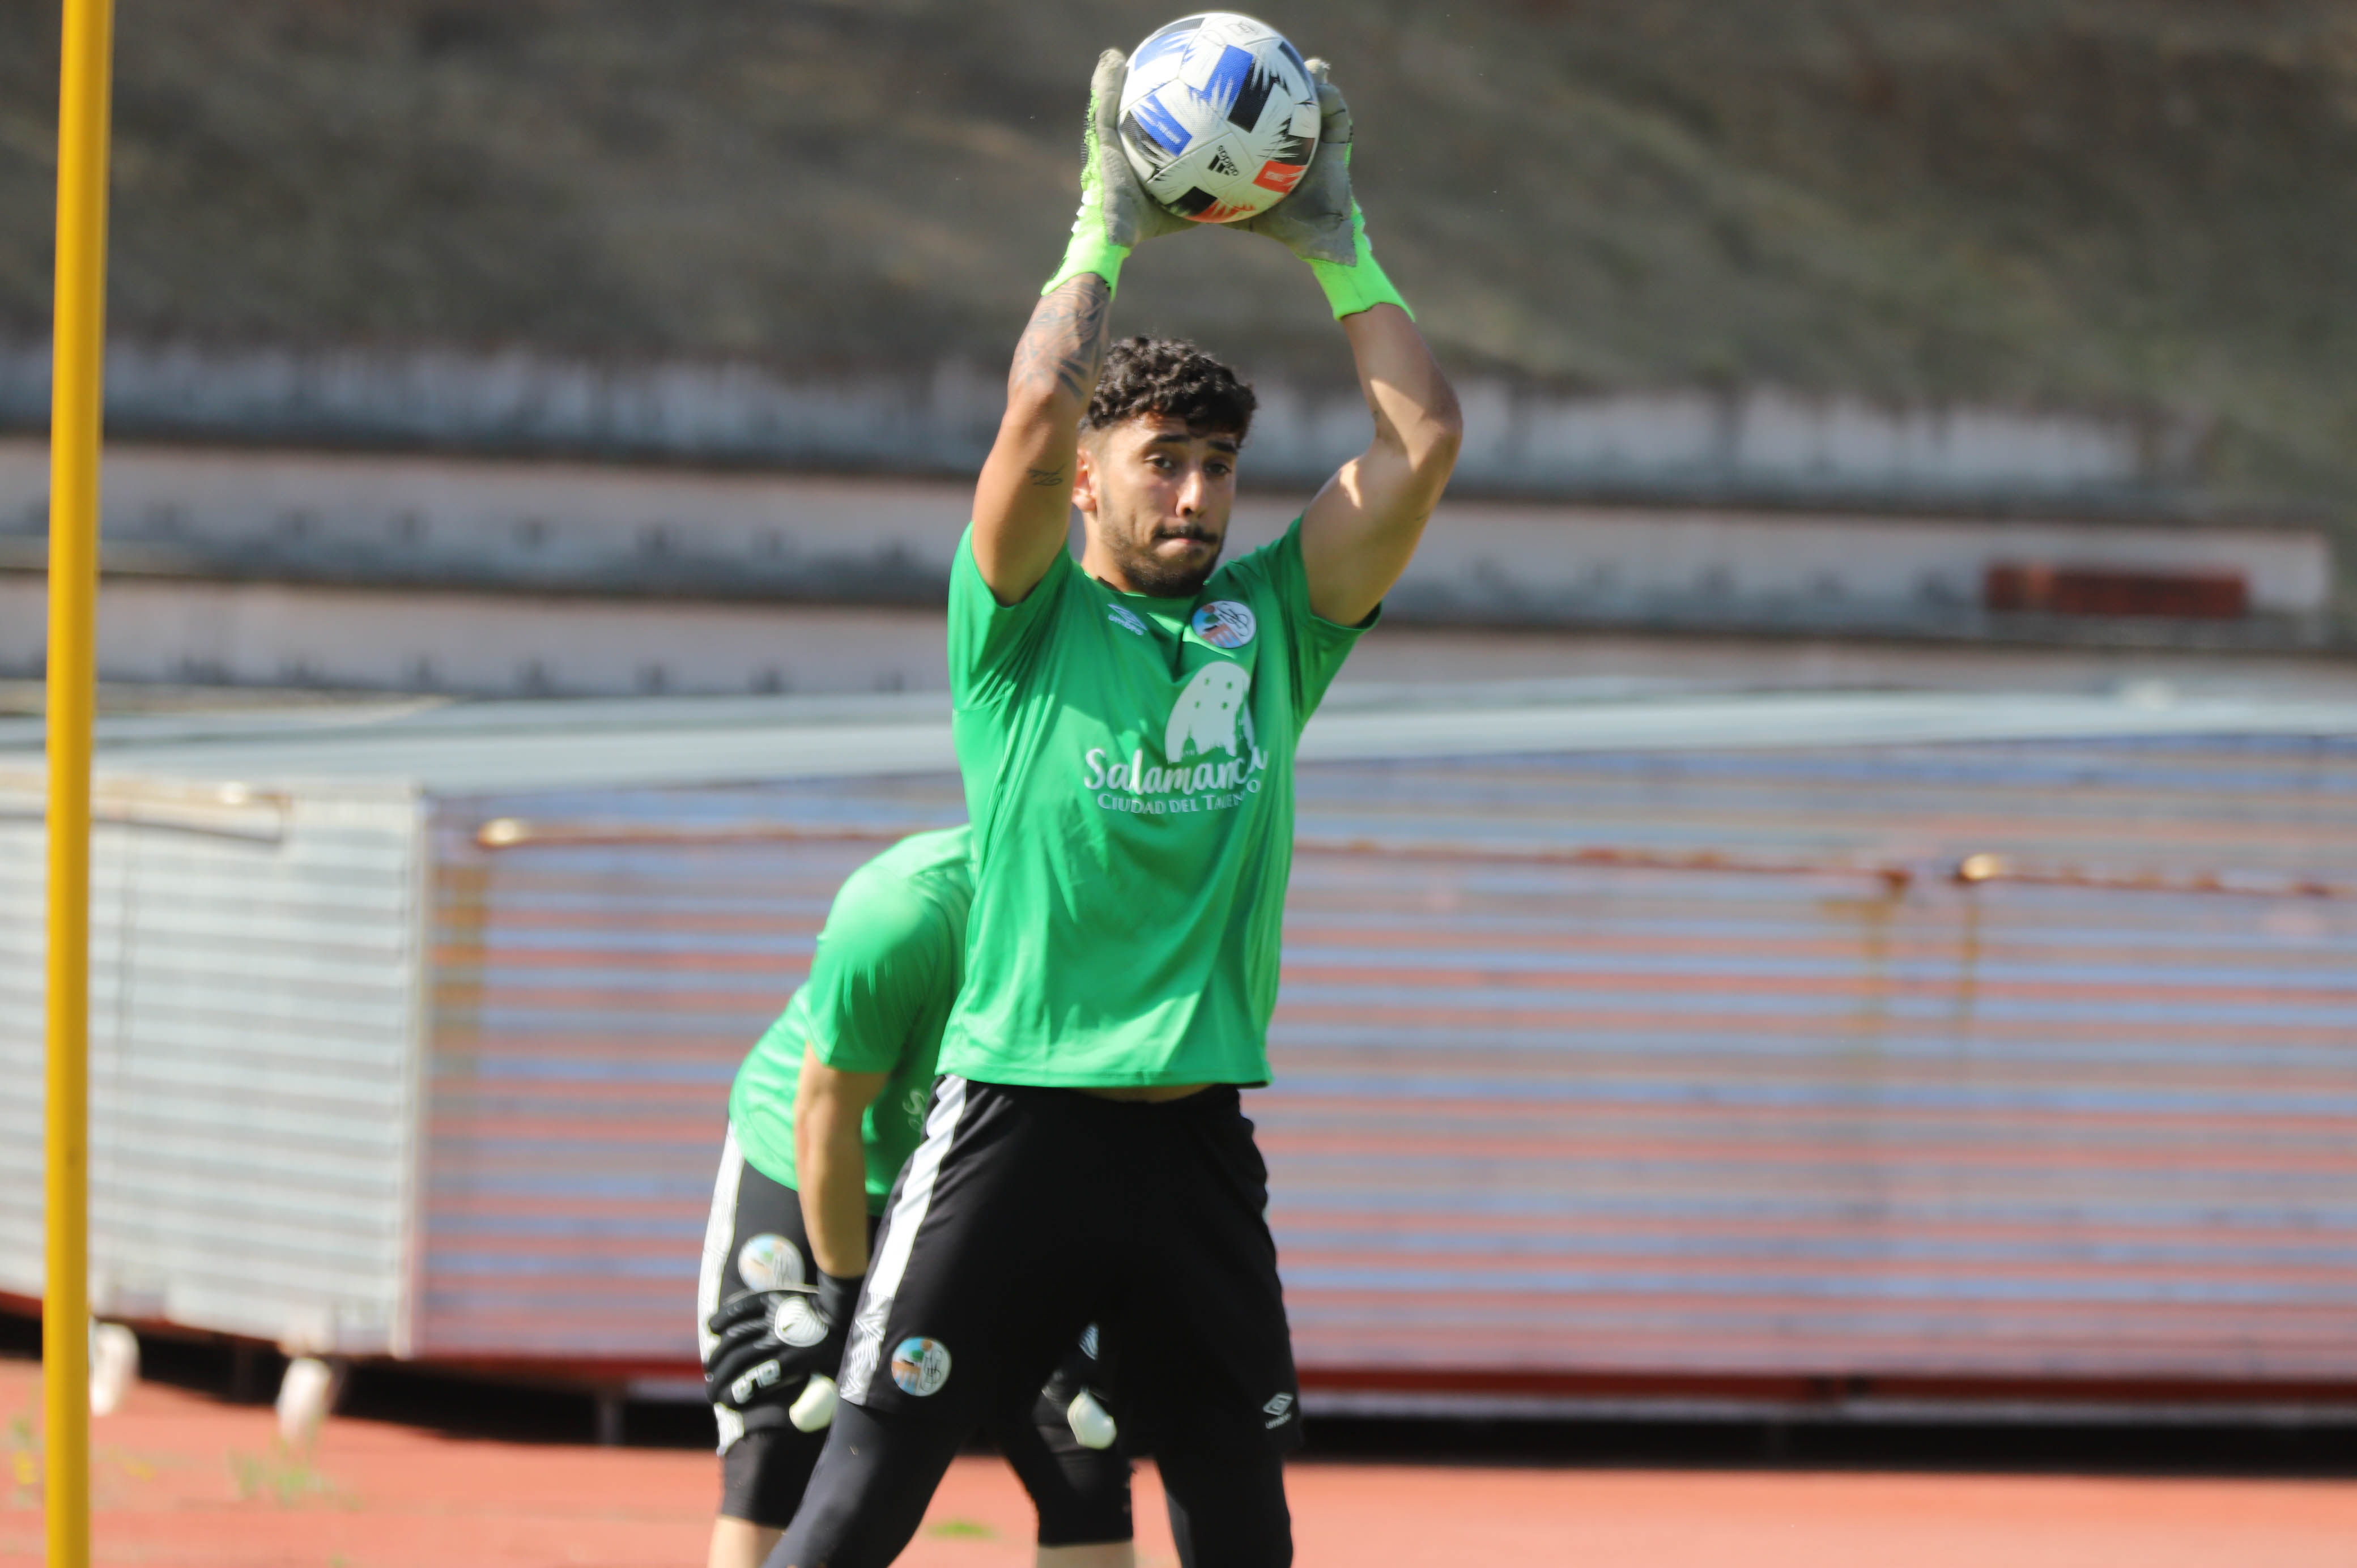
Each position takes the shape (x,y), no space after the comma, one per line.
(2098,203)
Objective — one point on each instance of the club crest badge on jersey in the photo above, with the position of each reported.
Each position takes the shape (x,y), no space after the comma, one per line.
(1225,623)
(770,1261)
(920,1366)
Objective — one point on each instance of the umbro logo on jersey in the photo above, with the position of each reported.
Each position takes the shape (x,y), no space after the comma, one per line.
(1126,619)
(1279,1410)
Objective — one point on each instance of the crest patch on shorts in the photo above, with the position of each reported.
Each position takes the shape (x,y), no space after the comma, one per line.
(920,1366)
(770,1261)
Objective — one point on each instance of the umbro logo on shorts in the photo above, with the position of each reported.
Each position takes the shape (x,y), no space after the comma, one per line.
(1279,1410)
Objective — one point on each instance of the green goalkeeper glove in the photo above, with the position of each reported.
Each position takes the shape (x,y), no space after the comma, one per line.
(1320,221)
(1115,215)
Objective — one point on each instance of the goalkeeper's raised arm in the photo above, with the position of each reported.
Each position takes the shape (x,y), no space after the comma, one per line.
(1023,502)
(1357,535)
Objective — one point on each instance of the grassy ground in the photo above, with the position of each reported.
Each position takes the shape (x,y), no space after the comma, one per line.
(2094,203)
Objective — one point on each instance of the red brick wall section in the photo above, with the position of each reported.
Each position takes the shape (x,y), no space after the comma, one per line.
(2115,591)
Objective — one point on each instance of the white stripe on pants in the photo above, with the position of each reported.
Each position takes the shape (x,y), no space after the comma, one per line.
(719,1231)
(907,1217)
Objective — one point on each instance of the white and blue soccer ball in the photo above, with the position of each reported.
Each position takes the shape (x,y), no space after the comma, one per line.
(1218,116)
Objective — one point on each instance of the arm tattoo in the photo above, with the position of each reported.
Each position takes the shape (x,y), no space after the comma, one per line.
(1046,478)
(1065,346)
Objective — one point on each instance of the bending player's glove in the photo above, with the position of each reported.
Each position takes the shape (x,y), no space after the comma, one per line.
(771,1342)
(1070,1397)
(1115,215)
(1320,221)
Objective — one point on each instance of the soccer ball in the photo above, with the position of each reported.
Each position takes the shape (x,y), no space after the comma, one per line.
(1219,117)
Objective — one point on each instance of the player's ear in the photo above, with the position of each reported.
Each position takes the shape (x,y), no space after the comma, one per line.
(1084,476)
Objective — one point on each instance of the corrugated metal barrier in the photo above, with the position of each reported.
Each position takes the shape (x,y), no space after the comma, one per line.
(598,979)
(1679,1064)
(1765,1086)
(253,1042)
(1909,1066)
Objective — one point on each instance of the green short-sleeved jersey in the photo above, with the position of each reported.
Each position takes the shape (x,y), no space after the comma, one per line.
(879,989)
(1128,767)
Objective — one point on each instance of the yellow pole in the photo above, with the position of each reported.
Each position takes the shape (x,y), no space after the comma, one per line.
(85,81)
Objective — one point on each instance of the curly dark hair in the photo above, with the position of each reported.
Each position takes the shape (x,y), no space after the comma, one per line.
(1166,376)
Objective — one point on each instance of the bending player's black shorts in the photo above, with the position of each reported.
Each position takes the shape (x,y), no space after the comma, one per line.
(755,1241)
(1028,1213)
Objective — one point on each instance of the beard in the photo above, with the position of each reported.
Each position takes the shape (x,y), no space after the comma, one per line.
(1161,578)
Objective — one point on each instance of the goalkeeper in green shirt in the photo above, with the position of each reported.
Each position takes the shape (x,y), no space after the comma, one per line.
(1125,725)
(824,1111)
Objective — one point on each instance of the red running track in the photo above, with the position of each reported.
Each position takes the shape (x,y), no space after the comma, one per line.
(183,1481)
